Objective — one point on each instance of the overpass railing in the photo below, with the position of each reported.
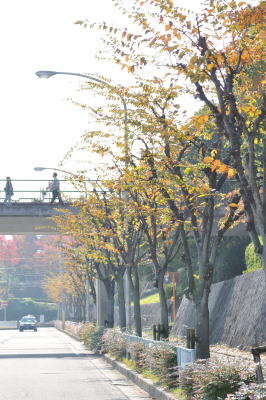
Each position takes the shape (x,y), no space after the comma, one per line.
(27,191)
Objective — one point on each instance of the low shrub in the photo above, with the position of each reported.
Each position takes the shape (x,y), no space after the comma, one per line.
(253,260)
(207,381)
(138,355)
(162,362)
(249,392)
(113,342)
(92,336)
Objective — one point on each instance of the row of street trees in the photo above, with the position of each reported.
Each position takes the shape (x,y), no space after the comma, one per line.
(164,193)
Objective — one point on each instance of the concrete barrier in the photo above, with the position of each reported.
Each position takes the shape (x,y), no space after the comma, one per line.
(8,324)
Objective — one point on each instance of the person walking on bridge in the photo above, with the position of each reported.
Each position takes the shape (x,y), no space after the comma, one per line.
(8,190)
(54,187)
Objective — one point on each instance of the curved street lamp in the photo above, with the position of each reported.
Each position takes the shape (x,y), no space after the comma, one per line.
(47,74)
(78,177)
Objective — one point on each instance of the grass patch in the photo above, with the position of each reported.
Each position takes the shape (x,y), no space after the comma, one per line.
(178,393)
(149,375)
(129,363)
(153,298)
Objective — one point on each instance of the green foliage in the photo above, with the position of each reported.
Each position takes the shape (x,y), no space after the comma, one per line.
(253,260)
(18,307)
(179,394)
(92,336)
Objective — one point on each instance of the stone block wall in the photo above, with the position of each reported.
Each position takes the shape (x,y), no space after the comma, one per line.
(237,312)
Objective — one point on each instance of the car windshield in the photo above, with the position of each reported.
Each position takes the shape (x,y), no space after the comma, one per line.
(28,319)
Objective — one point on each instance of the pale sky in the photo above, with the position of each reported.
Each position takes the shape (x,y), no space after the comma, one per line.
(38,125)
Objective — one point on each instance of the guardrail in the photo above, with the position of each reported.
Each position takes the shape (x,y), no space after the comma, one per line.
(184,356)
(8,324)
(33,190)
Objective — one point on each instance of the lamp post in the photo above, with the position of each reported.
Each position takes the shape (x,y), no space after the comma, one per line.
(43,74)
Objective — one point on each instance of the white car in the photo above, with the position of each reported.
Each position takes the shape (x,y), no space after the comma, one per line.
(28,322)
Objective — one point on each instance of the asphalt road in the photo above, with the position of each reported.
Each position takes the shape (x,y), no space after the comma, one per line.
(49,365)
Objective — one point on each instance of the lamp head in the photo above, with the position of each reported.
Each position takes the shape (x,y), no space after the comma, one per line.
(45,74)
(39,168)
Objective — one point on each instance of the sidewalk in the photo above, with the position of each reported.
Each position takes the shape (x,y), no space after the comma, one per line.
(145,384)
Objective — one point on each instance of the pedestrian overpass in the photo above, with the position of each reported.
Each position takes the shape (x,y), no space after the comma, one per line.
(30,210)
(34,219)
(29,218)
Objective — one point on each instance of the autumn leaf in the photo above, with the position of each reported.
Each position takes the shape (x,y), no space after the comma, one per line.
(222,169)
(230,173)
(209,67)
(207,160)
(177,34)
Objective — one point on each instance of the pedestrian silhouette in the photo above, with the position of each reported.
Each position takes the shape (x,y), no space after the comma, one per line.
(8,190)
(54,187)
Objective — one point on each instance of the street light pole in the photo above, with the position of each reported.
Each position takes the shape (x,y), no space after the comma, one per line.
(44,74)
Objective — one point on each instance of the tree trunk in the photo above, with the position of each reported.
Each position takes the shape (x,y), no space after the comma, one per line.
(121,302)
(264,254)
(137,309)
(163,307)
(202,326)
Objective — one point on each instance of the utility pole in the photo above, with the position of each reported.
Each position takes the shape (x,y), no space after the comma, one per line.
(87,311)
(101,303)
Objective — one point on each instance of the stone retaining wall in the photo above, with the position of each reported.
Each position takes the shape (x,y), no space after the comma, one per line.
(237,312)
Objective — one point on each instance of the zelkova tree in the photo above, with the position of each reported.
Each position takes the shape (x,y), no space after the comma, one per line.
(125,234)
(216,52)
(108,221)
(220,52)
(161,232)
(110,240)
(176,189)
(173,169)
(66,281)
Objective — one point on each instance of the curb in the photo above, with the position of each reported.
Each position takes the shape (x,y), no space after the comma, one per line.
(143,383)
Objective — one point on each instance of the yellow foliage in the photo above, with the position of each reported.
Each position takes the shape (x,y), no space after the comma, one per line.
(207,160)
